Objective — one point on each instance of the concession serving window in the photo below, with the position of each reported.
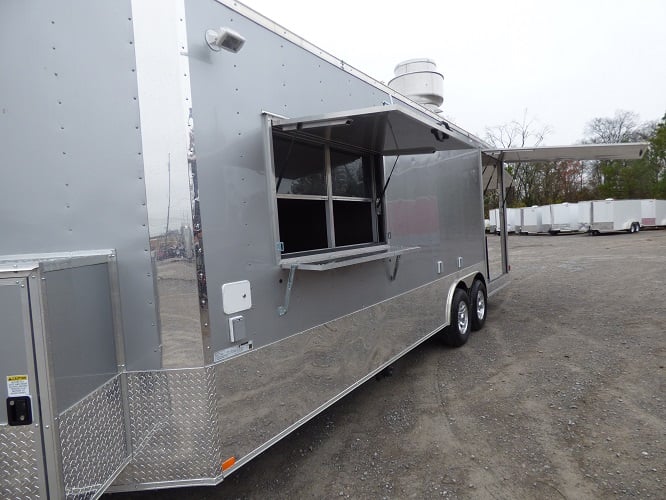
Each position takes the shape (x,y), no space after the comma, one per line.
(327,182)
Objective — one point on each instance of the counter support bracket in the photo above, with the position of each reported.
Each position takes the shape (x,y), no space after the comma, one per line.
(282,310)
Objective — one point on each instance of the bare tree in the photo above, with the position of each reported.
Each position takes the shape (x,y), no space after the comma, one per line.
(606,130)
(517,134)
(526,176)
(619,179)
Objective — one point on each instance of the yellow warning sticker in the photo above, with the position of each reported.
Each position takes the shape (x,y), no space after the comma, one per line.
(17,385)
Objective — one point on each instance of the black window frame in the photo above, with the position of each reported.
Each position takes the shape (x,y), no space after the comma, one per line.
(371,231)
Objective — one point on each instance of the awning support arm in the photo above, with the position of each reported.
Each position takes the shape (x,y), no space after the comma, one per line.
(380,198)
(378,202)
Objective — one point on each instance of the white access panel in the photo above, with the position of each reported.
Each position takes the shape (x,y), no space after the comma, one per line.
(236,297)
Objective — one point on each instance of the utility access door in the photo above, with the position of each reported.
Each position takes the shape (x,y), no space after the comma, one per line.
(63,418)
(21,451)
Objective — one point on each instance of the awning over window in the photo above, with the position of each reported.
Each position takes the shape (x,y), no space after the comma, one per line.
(385,130)
(624,151)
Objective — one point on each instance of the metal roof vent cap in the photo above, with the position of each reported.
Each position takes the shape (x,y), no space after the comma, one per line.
(419,80)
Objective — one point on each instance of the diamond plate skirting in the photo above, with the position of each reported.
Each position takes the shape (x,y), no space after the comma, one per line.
(174,427)
(19,458)
(92,435)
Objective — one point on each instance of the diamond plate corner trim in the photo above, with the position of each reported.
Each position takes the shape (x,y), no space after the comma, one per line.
(174,429)
(19,460)
(92,436)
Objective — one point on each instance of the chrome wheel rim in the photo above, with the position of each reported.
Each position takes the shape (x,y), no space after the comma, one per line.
(463,317)
(480,305)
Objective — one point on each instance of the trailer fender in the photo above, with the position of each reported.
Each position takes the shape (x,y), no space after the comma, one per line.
(465,283)
(478,301)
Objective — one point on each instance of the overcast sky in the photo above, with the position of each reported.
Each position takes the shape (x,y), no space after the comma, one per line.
(564,61)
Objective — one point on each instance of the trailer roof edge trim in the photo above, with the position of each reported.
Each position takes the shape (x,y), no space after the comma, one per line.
(386,130)
(623,151)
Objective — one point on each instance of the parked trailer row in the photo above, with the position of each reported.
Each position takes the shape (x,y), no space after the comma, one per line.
(592,217)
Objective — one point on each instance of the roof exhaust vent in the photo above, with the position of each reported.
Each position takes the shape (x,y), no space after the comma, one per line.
(419,80)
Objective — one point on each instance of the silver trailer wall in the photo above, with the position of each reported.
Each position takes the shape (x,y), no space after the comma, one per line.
(342,325)
(72,171)
(271,74)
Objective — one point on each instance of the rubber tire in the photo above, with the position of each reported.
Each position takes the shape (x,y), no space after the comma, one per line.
(478,287)
(452,335)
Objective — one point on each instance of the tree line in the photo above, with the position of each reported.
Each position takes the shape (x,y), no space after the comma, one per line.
(543,183)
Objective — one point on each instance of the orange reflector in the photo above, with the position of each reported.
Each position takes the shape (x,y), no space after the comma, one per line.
(228,463)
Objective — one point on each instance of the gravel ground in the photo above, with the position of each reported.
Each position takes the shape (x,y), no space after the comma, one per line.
(561,395)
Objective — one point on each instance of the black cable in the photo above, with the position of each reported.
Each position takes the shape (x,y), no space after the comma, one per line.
(395,141)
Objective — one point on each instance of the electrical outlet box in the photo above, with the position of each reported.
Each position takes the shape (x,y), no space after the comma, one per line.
(237,328)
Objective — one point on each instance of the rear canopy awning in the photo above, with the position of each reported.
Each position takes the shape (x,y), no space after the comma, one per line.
(385,130)
(624,151)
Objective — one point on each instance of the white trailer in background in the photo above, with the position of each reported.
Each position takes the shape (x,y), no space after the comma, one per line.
(584,215)
(653,213)
(512,221)
(564,218)
(531,220)
(493,219)
(615,215)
